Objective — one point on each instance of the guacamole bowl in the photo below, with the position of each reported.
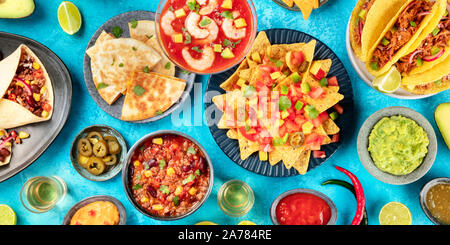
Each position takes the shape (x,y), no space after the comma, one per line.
(387,176)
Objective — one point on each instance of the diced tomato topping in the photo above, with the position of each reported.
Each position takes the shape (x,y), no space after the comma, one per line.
(314,141)
(319,154)
(14,134)
(91,213)
(332,81)
(335,138)
(297,58)
(316,92)
(339,109)
(38,74)
(12,97)
(320,119)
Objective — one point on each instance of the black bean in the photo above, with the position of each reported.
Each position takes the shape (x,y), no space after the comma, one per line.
(151,163)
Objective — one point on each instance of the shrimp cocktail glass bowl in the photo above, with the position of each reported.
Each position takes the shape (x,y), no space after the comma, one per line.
(206,36)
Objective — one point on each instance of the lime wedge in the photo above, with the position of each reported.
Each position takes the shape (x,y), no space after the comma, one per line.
(395,213)
(246,222)
(7,215)
(389,82)
(206,223)
(69,17)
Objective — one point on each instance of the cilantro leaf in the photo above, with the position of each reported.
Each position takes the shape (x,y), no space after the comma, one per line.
(138,90)
(117,31)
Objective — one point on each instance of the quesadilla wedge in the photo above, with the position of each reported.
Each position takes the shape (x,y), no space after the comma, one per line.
(5,147)
(402,32)
(433,48)
(368,22)
(114,60)
(25,88)
(149,94)
(144,31)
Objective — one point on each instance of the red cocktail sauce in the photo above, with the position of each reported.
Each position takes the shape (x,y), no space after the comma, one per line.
(303,209)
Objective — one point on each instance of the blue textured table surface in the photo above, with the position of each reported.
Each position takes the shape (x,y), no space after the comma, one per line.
(328,24)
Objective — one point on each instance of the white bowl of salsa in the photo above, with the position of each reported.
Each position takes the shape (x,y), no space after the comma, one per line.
(206,36)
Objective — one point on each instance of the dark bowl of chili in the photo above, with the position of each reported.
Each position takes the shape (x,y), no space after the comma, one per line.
(167,175)
(312,208)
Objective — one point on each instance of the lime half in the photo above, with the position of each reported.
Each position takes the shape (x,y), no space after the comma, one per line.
(69,17)
(395,213)
(246,222)
(206,223)
(389,82)
(7,215)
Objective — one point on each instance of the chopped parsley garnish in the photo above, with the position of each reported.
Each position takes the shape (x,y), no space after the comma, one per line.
(164,189)
(102,85)
(197,172)
(278,63)
(137,187)
(227,14)
(158,112)
(228,43)
(190,178)
(185,72)
(146,69)
(133,23)
(121,65)
(134,48)
(187,38)
(162,163)
(176,201)
(117,31)
(138,90)
(197,49)
(205,21)
(142,148)
(193,5)
(167,66)
(191,150)
(149,36)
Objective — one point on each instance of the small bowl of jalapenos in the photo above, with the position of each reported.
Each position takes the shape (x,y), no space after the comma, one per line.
(98,152)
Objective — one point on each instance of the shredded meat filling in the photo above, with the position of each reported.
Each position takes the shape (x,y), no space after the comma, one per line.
(439,40)
(403,30)
(357,34)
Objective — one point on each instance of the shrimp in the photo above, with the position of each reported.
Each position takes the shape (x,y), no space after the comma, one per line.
(201,2)
(166,23)
(208,8)
(192,27)
(230,30)
(212,28)
(205,62)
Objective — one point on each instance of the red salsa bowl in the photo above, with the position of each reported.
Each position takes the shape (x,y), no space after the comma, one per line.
(206,36)
(303,207)
(168,175)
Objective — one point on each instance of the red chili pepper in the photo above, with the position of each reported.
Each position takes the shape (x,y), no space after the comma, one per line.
(360,199)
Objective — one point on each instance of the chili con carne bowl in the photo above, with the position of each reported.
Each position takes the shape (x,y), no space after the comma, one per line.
(167,175)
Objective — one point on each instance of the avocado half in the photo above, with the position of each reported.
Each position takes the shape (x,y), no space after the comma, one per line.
(442,118)
(15,9)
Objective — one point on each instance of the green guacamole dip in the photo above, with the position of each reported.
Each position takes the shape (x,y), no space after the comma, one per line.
(398,145)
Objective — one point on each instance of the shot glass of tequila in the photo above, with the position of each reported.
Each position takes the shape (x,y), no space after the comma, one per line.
(235,198)
(40,194)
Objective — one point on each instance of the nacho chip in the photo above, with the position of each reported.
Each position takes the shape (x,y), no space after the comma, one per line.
(228,85)
(259,46)
(289,3)
(328,100)
(302,163)
(306,6)
(330,127)
(232,134)
(290,155)
(246,146)
(321,131)
(245,74)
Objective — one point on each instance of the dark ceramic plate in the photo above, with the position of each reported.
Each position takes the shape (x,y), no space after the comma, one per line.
(115,110)
(111,171)
(295,8)
(231,147)
(41,134)
(84,202)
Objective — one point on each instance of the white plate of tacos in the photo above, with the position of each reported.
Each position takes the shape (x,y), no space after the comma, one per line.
(128,75)
(411,35)
(35,99)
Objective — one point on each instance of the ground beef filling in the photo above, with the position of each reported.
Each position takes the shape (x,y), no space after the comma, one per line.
(33,76)
(403,30)
(438,39)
